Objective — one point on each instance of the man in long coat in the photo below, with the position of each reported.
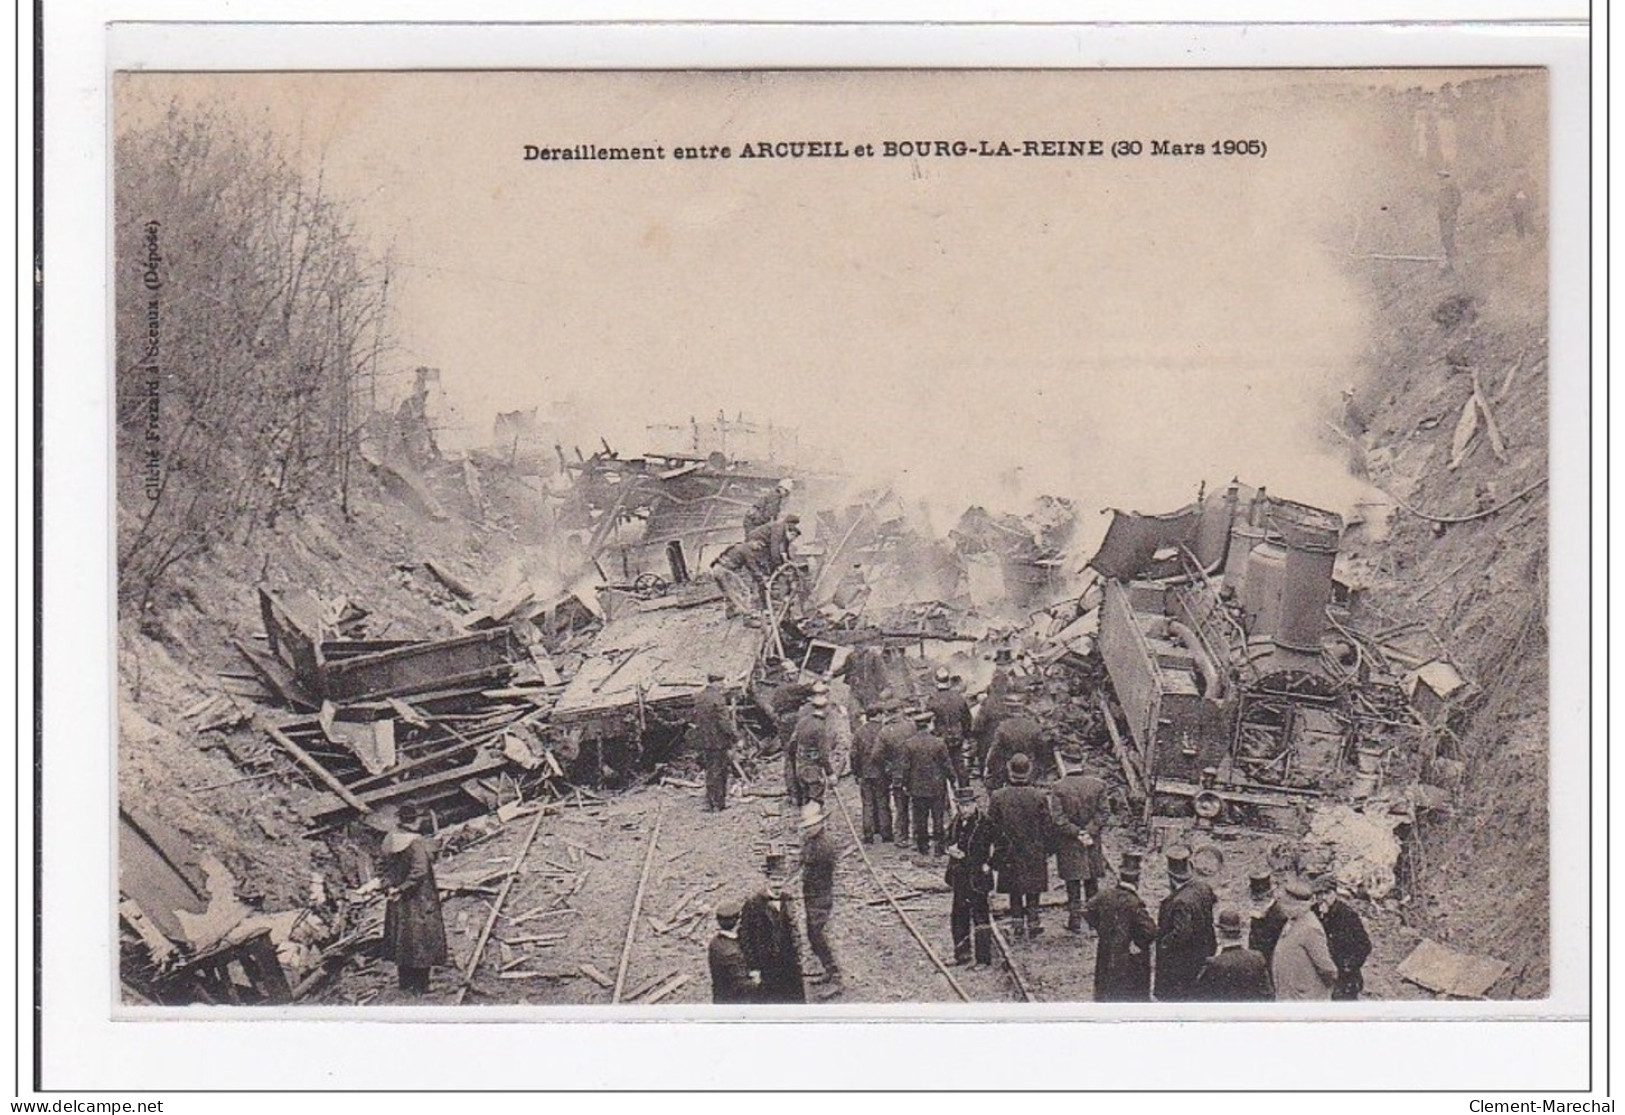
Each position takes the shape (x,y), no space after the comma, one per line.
(1302,967)
(1346,939)
(810,742)
(818,858)
(874,784)
(951,713)
(1125,932)
(930,773)
(732,978)
(767,934)
(714,737)
(414,928)
(1234,974)
(1078,815)
(787,704)
(895,733)
(970,875)
(1184,929)
(1020,816)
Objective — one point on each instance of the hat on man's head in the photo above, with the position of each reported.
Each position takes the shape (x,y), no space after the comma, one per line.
(728,910)
(1129,869)
(791,669)
(944,678)
(1020,768)
(1260,884)
(1229,925)
(812,815)
(1299,891)
(819,704)
(1179,863)
(1072,752)
(922,717)
(792,520)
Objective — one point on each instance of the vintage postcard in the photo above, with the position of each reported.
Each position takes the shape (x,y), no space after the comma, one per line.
(802,540)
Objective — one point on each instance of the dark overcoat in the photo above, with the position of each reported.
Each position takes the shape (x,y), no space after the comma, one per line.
(1019,734)
(1234,975)
(952,713)
(414,930)
(1346,937)
(730,972)
(1078,805)
(867,764)
(971,834)
(767,934)
(1185,939)
(713,729)
(1123,949)
(1020,816)
(929,769)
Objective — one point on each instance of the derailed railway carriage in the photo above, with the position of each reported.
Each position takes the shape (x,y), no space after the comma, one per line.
(1237,688)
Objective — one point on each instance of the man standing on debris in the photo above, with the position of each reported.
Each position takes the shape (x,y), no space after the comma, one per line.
(1125,933)
(1184,929)
(1302,967)
(787,703)
(1346,938)
(732,978)
(970,875)
(1017,734)
(1234,974)
(951,712)
(1267,918)
(738,572)
(714,737)
(874,784)
(1077,807)
(766,509)
(991,713)
(895,733)
(414,929)
(776,539)
(930,774)
(818,858)
(1020,816)
(810,743)
(767,934)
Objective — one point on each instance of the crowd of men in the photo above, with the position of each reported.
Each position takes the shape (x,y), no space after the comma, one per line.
(916,767)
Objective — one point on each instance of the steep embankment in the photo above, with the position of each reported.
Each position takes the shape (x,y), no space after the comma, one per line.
(1478,586)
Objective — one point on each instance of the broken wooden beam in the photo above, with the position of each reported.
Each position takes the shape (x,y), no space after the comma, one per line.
(637,905)
(322,773)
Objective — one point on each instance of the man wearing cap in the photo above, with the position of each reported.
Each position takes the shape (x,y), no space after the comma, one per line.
(738,573)
(896,730)
(970,875)
(786,704)
(1125,933)
(732,979)
(874,787)
(1017,734)
(1077,808)
(1184,929)
(1302,966)
(714,737)
(810,743)
(766,509)
(930,774)
(767,934)
(990,713)
(818,858)
(1267,920)
(1234,974)
(1019,813)
(776,539)
(1346,938)
(414,927)
(951,712)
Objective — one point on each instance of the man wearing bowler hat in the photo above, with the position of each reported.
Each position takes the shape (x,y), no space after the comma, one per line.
(1184,929)
(930,773)
(810,741)
(1020,816)
(414,927)
(767,934)
(714,737)
(869,768)
(1234,974)
(951,713)
(1125,934)
(895,733)
(970,874)
(1267,920)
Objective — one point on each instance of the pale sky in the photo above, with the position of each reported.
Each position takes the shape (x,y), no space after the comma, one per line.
(1117,329)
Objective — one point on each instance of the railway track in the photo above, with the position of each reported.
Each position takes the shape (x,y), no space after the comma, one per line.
(1017,981)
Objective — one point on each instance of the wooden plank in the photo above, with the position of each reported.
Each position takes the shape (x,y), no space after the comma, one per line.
(496,907)
(660,993)
(596,976)
(637,905)
(315,768)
